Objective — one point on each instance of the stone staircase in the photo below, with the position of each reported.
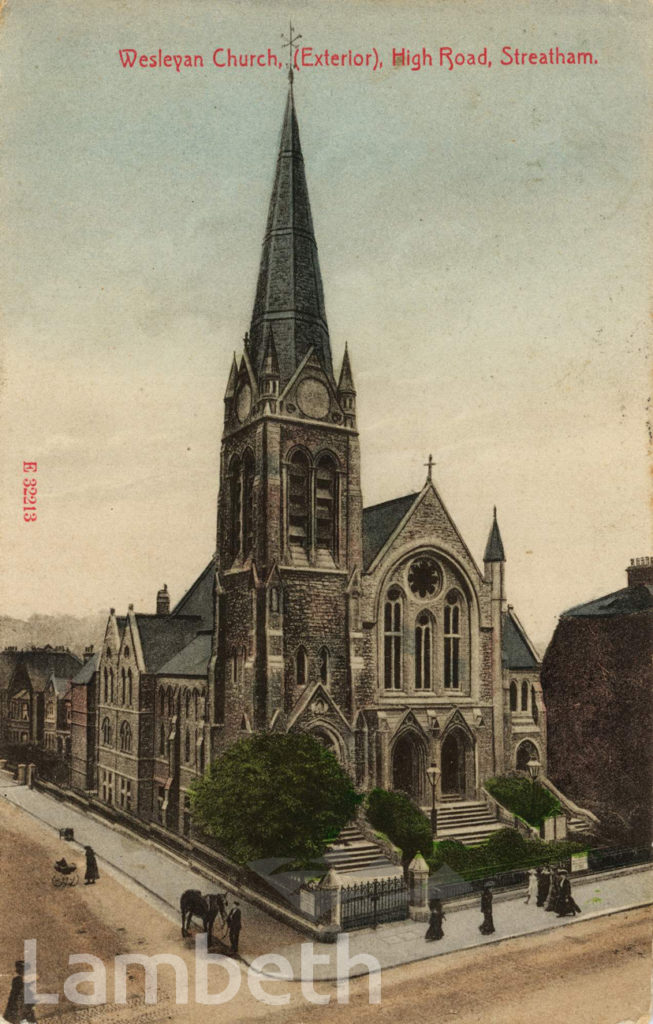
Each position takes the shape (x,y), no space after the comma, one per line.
(351,852)
(468,821)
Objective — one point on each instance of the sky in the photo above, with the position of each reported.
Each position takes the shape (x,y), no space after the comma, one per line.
(482,235)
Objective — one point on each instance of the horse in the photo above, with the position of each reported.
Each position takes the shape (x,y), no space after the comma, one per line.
(206,908)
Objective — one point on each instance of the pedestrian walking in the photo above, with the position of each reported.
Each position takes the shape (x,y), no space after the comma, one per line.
(19,1008)
(566,903)
(234,924)
(437,916)
(543,884)
(554,891)
(92,873)
(487,928)
(532,886)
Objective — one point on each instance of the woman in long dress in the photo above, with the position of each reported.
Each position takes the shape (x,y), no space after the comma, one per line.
(566,903)
(554,890)
(434,931)
(487,928)
(92,872)
(532,886)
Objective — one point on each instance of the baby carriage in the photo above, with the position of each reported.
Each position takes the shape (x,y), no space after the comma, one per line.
(64,874)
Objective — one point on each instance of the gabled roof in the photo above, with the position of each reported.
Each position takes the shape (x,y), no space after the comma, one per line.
(163,636)
(87,671)
(621,602)
(380,521)
(37,665)
(198,599)
(60,685)
(192,660)
(516,649)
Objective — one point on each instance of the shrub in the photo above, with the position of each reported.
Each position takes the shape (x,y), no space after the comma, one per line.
(531,802)
(402,821)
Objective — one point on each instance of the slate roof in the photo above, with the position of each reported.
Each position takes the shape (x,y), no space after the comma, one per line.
(192,660)
(198,599)
(621,602)
(87,671)
(60,684)
(163,636)
(38,664)
(516,651)
(380,521)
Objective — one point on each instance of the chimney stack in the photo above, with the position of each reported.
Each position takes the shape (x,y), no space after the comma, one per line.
(88,653)
(163,601)
(640,571)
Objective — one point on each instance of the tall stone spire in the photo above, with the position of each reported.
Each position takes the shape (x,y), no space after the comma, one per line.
(289,294)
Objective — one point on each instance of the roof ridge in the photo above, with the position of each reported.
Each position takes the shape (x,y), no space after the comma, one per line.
(390,501)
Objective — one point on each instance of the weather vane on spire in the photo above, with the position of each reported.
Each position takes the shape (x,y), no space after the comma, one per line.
(429,465)
(292,47)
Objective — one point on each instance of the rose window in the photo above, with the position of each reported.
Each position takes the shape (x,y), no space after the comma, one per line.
(424,577)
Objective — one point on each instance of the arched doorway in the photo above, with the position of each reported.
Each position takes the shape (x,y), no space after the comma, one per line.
(457,764)
(408,766)
(327,740)
(526,752)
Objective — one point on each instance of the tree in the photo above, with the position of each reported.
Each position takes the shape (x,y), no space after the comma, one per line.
(274,795)
(402,821)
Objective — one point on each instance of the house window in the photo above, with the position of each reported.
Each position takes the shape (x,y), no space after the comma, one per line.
(248,504)
(423,651)
(392,630)
(298,501)
(125,737)
(236,504)
(452,643)
(513,696)
(323,658)
(325,505)
(301,667)
(106,732)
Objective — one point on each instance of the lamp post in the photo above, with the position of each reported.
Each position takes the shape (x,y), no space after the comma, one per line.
(533,770)
(433,773)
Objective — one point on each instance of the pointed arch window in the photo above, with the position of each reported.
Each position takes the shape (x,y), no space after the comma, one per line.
(106,684)
(301,667)
(187,703)
(162,740)
(423,651)
(298,501)
(235,501)
(323,658)
(452,642)
(513,696)
(171,703)
(524,695)
(106,732)
(392,640)
(248,504)
(125,737)
(325,504)
(196,703)
(535,713)
(162,703)
(130,687)
(187,746)
(111,685)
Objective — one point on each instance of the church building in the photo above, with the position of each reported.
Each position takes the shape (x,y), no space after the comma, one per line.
(374,629)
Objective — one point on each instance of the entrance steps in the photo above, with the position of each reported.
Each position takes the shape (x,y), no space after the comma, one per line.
(352,852)
(468,821)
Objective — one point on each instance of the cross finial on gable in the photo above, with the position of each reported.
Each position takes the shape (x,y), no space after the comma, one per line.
(292,48)
(429,465)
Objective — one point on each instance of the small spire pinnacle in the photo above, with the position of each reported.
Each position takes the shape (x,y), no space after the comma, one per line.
(494,548)
(233,377)
(346,380)
(429,467)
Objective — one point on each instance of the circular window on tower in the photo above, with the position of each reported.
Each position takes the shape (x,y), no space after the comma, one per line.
(425,577)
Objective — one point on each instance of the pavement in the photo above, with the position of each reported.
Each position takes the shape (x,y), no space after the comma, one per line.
(161,878)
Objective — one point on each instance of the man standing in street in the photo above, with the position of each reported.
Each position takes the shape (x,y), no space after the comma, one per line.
(234,925)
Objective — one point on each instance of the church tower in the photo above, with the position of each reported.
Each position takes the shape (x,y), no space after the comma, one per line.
(289,507)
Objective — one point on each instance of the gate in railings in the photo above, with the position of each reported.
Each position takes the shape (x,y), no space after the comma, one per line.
(366,904)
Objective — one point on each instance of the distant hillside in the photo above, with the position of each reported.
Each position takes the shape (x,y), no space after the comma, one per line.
(56,630)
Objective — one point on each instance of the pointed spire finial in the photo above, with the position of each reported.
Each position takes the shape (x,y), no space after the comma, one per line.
(346,380)
(292,50)
(494,548)
(429,466)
